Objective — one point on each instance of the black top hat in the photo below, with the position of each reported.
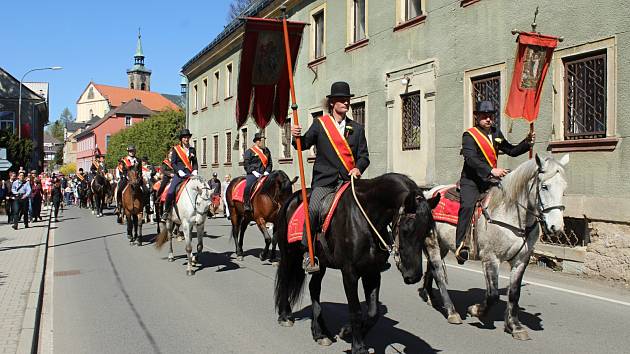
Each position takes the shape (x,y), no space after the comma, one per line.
(484,107)
(258,136)
(184,132)
(214,174)
(97,155)
(131,148)
(81,169)
(340,89)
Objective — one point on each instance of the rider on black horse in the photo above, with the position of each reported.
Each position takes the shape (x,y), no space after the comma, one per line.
(124,164)
(479,147)
(146,191)
(257,162)
(184,161)
(167,173)
(342,151)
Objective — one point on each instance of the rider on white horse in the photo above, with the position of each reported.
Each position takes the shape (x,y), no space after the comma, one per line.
(184,162)
(479,147)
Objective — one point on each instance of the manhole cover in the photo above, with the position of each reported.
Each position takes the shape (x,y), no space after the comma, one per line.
(65,273)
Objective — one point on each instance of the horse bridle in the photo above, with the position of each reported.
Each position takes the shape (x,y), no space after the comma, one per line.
(197,196)
(395,249)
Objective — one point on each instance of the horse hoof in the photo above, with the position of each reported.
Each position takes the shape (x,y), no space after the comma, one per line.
(521,335)
(326,342)
(190,273)
(286,323)
(424,295)
(454,319)
(345,331)
(475,311)
(239,258)
(171,259)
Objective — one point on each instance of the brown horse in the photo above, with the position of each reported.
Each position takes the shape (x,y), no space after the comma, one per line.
(276,189)
(132,207)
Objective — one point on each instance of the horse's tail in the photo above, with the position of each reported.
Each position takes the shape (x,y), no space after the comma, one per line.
(161,238)
(290,275)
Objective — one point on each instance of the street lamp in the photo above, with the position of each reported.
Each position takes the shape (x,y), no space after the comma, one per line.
(20,97)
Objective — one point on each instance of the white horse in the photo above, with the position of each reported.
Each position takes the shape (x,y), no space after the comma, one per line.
(191,209)
(527,199)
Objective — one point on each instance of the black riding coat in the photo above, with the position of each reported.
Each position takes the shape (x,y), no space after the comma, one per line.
(178,164)
(328,168)
(252,162)
(476,168)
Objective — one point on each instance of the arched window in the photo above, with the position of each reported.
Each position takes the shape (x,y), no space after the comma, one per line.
(91,93)
(91,113)
(142,86)
(131,85)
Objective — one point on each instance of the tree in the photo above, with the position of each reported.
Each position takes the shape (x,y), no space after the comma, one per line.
(152,138)
(18,150)
(56,130)
(237,7)
(58,161)
(66,116)
(68,169)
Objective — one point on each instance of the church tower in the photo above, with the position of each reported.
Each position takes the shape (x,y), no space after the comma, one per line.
(139,75)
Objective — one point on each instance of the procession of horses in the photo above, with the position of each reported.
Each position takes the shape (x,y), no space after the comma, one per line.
(370,220)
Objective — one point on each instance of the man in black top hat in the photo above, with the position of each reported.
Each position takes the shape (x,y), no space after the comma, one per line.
(124,164)
(330,168)
(184,162)
(257,162)
(480,171)
(97,165)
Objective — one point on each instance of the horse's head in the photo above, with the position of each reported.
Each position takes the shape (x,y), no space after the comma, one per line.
(279,186)
(550,187)
(413,225)
(134,178)
(203,199)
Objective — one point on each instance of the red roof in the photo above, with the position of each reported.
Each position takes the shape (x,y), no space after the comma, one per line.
(152,100)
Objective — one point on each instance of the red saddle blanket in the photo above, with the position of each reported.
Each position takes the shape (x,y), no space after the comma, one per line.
(239,189)
(447,209)
(180,189)
(296,223)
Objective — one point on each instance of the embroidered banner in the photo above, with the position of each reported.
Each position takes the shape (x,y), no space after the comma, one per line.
(338,142)
(485,145)
(263,74)
(533,56)
(261,155)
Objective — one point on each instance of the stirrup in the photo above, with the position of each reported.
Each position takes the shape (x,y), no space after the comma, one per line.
(462,254)
(306,264)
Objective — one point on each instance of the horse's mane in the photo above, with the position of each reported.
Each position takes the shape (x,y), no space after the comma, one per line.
(266,188)
(389,189)
(516,183)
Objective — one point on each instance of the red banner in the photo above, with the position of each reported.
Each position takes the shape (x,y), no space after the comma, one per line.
(263,75)
(533,56)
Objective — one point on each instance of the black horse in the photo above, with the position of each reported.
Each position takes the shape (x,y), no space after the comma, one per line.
(353,247)
(99,188)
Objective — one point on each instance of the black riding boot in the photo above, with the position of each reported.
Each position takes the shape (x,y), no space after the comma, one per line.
(168,205)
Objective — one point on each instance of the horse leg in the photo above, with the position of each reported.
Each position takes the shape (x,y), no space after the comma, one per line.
(187,231)
(139,222)
(512,324)
(200,234)
(262,226)
(130,231)
(169,230)
(371,288)
(435,270)
(241,236)
(274,244)
(318,327)
(491,272)
(350,285)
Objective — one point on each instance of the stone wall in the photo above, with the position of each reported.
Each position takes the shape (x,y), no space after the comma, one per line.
(608,254)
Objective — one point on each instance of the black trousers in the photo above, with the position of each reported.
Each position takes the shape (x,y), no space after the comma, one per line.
(469,193)
(8,206)
(315,212)
(250,180)
(56,205)
(20,210)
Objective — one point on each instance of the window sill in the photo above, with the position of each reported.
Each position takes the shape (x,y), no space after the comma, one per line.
(285,161)
(315,62)
(204,166)
(356,45)
(227,164)
(241,163)
(214,104)
(194,112)
(465,3)
(410,23)
(203,109)
(600,144)
(228,98)
(310,159)
(215,165)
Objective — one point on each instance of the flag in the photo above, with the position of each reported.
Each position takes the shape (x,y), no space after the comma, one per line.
(533,56)
(263,76)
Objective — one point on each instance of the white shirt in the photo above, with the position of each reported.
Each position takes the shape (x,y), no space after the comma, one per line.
(341,126)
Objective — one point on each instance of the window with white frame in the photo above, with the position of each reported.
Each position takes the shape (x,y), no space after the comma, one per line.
(488,88)
(204,150)
(195,98)
(411,118)
(128,121)
(216,87)
(319,33)
(228,147)
(358,112)
(358,20)
(7,121)
(410,9)
(107,138)
(204,93)
(228,80)
(215,149)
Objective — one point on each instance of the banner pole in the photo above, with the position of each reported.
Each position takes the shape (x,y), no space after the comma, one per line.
(298,140)
(531,146)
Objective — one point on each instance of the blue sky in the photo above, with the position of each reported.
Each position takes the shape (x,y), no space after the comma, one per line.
(96,40)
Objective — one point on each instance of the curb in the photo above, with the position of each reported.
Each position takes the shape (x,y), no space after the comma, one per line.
(29,336)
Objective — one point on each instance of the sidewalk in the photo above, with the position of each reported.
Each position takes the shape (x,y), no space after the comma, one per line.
(21,258)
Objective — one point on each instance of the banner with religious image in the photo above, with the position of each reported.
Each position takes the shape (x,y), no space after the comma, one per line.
(533,56)
(263,80)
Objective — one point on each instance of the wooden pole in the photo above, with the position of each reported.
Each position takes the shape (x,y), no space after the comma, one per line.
(531,147)
(298,140)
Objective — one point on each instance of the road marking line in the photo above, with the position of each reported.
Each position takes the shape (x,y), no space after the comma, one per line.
(574,292)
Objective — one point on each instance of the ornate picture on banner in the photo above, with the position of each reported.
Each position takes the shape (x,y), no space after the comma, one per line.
(269,60)
(534,60)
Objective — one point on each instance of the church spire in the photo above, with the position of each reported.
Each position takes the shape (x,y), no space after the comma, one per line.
(139,76)
(139,56)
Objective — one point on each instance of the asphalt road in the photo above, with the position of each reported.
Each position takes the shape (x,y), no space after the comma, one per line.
(109,297)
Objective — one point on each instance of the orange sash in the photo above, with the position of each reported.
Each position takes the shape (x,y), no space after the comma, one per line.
(338,142)
(81,177)
(485,145)
(127,162)
(261,155)
(183,156)
(96,164)
(168,163)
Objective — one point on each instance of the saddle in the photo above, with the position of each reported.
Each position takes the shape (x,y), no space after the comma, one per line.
(296,222)
(239,189)
(180,189)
